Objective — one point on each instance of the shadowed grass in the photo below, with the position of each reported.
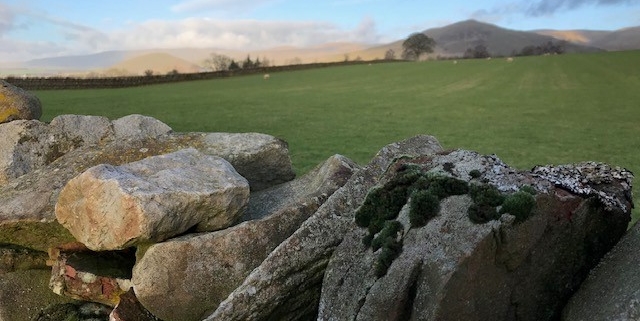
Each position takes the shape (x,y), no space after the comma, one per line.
(535,110)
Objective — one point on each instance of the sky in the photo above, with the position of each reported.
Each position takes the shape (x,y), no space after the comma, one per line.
(31,29)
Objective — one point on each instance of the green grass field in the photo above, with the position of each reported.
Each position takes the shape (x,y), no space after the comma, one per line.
(535,110)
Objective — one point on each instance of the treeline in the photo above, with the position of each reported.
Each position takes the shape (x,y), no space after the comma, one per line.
(52,83)
(548,48)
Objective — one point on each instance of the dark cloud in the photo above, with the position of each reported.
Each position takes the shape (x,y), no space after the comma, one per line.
(546,7)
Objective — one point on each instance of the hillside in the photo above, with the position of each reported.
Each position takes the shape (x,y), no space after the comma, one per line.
(623,39)
(452,40)
(159,63)
(458,37)
(586,37)
(80,62)
(455,39)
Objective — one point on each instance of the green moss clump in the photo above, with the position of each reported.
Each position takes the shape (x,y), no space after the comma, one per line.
(485,200)
(388,234)
(529,189)
(519,204)
(385,202)
(475,173)
(388,253)
(480,214)
(486,195)
(424,207)
(367,239)
(453,186)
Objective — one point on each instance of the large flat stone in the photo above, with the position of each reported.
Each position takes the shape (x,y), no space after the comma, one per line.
(114,207)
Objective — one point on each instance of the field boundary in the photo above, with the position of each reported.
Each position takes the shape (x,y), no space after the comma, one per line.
(59,83)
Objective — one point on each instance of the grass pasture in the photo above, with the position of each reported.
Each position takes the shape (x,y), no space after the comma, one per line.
(535,110)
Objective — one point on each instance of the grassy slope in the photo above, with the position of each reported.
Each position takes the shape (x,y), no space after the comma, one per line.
(538,110)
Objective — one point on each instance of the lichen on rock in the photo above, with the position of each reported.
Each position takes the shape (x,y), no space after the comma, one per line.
(591,179)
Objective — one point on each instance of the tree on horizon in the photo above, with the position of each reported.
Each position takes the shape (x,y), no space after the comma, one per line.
(417,44)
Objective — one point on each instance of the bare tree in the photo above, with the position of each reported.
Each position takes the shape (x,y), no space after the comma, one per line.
(217,62)
(390,55)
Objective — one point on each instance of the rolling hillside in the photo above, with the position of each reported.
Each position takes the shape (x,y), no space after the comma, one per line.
(159,63)
(455,39)
(452,40)
(623,39)
(586,37)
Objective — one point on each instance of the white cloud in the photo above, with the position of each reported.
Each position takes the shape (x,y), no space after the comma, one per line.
(69,38)
(190,6)
(238,34)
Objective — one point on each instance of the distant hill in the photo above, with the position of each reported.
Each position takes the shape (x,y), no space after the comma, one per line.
(623,39)
(115,62)
(585,37)
(79,62)
(458,37)
(451,40)
(455,39)
(159,63)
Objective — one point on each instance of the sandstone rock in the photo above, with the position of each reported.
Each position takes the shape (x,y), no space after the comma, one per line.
(27,213)
(114,207)
(139,127)
(509,268)
(129,309)
(201,270)
(24,294)
(81,274)
(612,290)
(261,159)
(16,258)
(16,103)
(286,285)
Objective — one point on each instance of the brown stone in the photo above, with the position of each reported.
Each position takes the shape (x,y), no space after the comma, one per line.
(16,103)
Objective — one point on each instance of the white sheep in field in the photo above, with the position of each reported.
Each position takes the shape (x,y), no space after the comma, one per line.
(510,59)
(455,62)
(266,76)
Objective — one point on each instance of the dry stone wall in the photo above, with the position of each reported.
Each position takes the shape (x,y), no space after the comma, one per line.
(147,223)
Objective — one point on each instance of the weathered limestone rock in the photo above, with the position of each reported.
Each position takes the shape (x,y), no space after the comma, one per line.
(612,290)
(129,308)
(82,274)
(244,151)
(139,127)
(25,146)
(30,145)
(16,103)
(27,213)
(286,286)
(508,268)
(16,258)
(200,270)
(82,130)
(24,294)
(115,207)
